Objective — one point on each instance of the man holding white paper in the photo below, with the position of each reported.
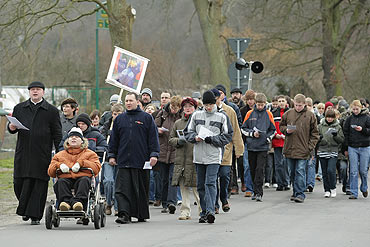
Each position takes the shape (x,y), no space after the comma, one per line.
(33,151)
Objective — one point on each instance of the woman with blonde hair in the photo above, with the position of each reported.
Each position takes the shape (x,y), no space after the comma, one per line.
(357,138)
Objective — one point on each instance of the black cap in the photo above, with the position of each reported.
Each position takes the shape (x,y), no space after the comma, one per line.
(83,117)
(36,84)
(221,88)
(235,90)
(209,97)
(215,92)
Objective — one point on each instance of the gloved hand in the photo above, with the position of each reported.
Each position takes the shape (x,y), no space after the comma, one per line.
(334,133)
(64,168)
(181,142)
(76,167)
(208,140)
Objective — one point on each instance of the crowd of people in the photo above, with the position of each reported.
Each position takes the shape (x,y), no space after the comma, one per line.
(200,145)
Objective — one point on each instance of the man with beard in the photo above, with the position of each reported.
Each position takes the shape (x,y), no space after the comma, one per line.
(236,97)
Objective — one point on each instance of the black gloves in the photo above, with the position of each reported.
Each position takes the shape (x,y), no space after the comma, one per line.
(334,133)
(208,140)
(181,142)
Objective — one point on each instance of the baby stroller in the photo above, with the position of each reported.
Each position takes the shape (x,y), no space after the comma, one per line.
(95,207)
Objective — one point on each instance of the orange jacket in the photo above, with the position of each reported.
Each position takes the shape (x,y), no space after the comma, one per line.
(69,156)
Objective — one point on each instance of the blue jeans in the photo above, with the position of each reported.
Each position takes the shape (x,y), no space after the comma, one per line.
(157,184)
(152,186)
(224,175)
(329,174)
(358,163)
(343,167)
(110,173)
(206,186)
(311,172)
(247,171)
(169,192)
(298,176)
(281,168)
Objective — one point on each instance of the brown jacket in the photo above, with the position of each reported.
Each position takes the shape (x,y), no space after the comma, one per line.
(237,140)
(301,143)
(69,156)
(166,119)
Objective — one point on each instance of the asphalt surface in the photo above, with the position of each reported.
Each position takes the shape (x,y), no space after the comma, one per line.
(274,222)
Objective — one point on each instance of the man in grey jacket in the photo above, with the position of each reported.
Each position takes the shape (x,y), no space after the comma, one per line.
(210,131)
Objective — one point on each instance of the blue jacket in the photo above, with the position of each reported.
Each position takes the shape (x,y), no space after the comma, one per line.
(134,139)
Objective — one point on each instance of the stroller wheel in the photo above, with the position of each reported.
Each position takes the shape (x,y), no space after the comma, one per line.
(96,215)
(56,222)
(103,217)
(49,217)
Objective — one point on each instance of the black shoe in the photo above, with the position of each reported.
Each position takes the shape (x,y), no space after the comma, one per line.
(310,188)
(344,190)
(203,219)
(164,210)
(35,222)
(211,218)
(123,220)
(299,199)
(348,192)
(292,198)
(280,188)
(25,218)
(253,197)
(151,202)
(286,188)
(172,208)
(141,220)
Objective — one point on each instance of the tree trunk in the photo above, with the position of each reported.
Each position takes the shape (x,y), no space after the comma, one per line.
(211,19)
(121,20)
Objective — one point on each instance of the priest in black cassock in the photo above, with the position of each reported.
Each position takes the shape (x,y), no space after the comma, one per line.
(134,141)
(33,151)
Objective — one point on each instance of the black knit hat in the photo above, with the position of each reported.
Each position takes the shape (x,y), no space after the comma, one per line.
(209,97)
(221,88)
(83,117)
(36,84)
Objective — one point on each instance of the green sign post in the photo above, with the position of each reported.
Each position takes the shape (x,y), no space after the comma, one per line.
(101,23)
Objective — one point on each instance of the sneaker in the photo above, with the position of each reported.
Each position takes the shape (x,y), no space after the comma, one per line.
(248,194)
(327,194)
(234,191)
(211,218)
(280,188)
(258,198)
(333,193)
(352,197)
(267,185)
(292,198)
(299,199)
(157,203)
(365,194)
(184,217)
(203,219)
(164,210)
(253,197)
(226,208)
(123,220)
(64,206)
(77,206)
(108,210)
(310,188)
(35,222)
(274,185)
(25,218)
(171,208)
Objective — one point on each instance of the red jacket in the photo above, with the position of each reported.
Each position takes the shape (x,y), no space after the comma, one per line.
(278,113)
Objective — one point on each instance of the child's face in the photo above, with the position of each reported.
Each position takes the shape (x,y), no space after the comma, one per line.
(115,114)
(282,102)
(274,104)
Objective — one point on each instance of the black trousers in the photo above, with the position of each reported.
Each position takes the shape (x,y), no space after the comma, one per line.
(237,170)
(63,188)
(257,162)
(31,194)
(131,191)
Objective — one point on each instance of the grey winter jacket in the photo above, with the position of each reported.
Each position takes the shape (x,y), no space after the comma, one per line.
(215,121)
(328,142)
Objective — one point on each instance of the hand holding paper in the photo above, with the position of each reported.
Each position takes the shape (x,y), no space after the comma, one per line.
(16,123)
(204,132)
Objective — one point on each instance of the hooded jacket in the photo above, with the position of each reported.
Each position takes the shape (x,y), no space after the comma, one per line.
(354,138)
(329,143)
(218,123)
(134,139)
(278,113)
(264,122)
(69,156)
(301,143)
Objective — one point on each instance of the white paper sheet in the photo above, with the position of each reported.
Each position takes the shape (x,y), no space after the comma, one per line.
(147,165)
(17,124)
(204,132)
(180,134)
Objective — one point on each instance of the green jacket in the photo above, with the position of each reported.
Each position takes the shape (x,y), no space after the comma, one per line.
(330,143)
(183,166)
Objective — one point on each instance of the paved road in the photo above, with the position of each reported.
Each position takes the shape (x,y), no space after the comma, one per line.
(274,222)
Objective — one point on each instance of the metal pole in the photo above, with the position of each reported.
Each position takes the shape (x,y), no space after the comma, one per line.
(97,65)
(238,56)
(250,76)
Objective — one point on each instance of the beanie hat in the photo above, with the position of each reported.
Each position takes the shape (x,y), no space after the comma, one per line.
(334,101)
(83,117)
(209,97)
(114,99)
(221,88)
(36,84)
(75,131)
(327,104)
(196,95)
(147,91)
(236,90)
(190,101)
(216,92)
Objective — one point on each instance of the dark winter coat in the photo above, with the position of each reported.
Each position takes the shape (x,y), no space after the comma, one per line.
(236,109)
(184,166)
(134,139)
(301,143)
(33,150)
(354,138)
(166,119)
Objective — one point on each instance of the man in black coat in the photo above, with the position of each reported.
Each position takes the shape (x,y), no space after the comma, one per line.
(33,151)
